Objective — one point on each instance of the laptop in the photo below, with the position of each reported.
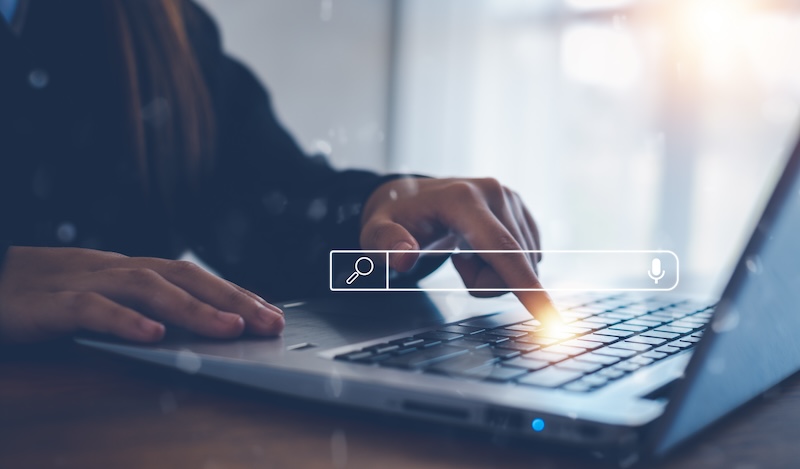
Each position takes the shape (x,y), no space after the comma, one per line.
(629,374)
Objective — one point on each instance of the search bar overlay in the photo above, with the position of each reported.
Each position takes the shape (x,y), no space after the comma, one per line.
(645,271)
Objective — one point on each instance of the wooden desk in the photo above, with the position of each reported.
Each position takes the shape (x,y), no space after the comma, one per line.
(66,407)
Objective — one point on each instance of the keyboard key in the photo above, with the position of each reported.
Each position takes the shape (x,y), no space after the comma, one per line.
(691,339)
(611,373)
(507,333)
(629,327)
(631,346)
(687,324)
(589,309)
(659,316)
(461,365)
(626,366)
(523,328)
(496,373)
(614,332)
(582,344)
(428,343)
(646,340)
(463,330)
(550,377)
(518,346)
(667,349)
(635,309)
(468,344)
(378,358)
(675,330)
(546,356)
(618,315)
(577,386)
(599,338)
(407,342)
(425,357)
(532,339)
(439,335)
(701,318)
(660,334)
(486,338)
(644,322)
(565,349)
(640,360)
(404,350)
(576,365)
(654,355)
(614,352)
(503,354)
(599,359)
(588,325)
(527,363)
(558,335)
(681,344)
(383,348)
(600,320)
(354,356)
(594,380)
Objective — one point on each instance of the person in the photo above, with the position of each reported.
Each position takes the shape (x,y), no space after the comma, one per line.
(128,136)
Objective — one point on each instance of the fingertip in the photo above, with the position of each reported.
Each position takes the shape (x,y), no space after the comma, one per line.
(233,324)
(151,331)
(541,306)
(267,323)
(403,261)
(277,326)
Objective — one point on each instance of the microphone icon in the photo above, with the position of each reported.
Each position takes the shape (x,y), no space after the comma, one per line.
(655,272)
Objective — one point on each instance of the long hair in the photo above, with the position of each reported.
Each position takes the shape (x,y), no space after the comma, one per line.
(170,117)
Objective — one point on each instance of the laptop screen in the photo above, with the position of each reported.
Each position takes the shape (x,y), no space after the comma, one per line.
(751,344)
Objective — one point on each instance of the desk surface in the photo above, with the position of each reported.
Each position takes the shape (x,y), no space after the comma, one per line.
(63,406)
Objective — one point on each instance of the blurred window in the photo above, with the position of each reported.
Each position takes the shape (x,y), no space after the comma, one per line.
(655,124)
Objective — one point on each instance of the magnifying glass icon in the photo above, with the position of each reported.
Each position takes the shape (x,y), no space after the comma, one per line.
(360,273)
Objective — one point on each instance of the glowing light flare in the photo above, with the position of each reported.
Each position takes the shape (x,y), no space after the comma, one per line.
(714,32)
(553,329)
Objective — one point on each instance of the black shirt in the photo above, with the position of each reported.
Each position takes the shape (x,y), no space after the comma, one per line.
(266,219)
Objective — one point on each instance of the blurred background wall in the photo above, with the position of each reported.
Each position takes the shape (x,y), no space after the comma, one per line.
(624,124)
(326,64)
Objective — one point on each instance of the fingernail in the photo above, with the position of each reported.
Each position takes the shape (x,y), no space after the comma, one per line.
(269,315)
(402,246)
(398,259)
(275,324)
(151,328)
(229,318)
(269,308)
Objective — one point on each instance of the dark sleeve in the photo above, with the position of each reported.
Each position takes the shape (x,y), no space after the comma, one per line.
(270,214)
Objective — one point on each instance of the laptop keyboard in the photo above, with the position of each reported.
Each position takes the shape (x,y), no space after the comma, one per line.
(603,340)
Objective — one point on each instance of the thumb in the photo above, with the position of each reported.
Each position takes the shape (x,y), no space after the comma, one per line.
(386,235)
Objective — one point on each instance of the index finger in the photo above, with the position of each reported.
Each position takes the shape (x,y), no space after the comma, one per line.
(483,231)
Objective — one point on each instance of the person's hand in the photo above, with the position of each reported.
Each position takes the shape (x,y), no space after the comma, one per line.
(480,214)
(48,292)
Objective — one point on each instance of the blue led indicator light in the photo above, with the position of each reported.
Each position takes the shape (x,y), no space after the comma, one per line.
(537,425)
